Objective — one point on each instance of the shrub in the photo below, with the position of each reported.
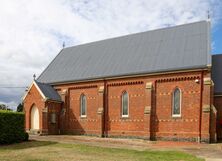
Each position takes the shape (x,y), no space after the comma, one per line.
(26,136)
(12,127)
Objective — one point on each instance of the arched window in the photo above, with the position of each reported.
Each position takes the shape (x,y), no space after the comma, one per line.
(125,104)
(176,103)
(83,105)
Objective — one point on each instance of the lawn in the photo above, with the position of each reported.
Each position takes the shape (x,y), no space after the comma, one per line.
(51,151)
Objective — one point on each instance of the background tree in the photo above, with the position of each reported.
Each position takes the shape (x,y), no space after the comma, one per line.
(4,107)
(20,108)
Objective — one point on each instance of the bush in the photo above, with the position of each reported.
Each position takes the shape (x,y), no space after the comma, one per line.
(26,136)
(12,128)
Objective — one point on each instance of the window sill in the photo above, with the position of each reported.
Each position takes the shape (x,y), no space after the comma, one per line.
(125,117)
(83,117)
(176,116)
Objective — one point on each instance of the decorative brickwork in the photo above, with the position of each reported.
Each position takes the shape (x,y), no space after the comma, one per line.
(150,108)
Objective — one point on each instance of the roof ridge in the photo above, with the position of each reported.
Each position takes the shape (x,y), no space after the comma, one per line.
(136,33)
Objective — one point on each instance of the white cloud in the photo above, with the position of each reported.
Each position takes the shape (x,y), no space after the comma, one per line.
(32,31)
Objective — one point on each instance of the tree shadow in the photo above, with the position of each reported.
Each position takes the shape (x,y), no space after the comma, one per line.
(27,144)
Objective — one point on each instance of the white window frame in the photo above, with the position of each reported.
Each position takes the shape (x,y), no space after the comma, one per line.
(177,115)
(125,116)
(81,99)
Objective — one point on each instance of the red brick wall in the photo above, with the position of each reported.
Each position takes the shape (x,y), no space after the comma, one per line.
(53,108)
(75,124)
(33,98)
(218,105)
(80,124)
(161,124)
(157,124)
(186,126)
(134,124)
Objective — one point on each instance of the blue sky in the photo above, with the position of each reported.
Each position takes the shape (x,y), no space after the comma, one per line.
(32,31)
(217,39)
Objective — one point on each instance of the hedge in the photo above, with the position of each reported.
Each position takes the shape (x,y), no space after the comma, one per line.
(12,128)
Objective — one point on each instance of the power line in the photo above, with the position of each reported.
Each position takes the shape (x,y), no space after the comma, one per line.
(12,87)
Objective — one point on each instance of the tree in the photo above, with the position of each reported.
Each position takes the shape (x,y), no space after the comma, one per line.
(3,107)
(20,108)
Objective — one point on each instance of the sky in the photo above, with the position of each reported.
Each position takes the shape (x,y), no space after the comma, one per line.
(32,31)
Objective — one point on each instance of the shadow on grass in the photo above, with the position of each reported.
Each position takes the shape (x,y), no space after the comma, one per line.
(27,144)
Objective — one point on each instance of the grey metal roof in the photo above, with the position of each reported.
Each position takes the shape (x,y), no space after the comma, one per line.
(48,91)
(174,48)
(217,73)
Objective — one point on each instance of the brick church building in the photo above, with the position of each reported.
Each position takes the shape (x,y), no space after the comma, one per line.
(160,85)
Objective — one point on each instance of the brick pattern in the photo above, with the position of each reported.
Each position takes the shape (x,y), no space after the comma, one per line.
(53,108)
(134,124)
(188,124)
(150,108)
(86,124)
(33,98)
(73,123)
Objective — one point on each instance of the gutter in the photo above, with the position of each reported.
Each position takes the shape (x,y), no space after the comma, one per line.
(132,75)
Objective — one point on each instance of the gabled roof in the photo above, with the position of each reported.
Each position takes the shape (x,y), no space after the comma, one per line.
(217,73)
(46,91)
(169,49)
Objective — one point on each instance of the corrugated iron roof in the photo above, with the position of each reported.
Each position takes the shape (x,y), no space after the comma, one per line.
(48,91)
(174,48)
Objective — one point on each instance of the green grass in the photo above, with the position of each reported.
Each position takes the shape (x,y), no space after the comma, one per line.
(51,151)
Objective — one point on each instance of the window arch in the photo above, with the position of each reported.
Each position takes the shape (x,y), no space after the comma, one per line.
(176,112)
(125,104)
(83,105)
